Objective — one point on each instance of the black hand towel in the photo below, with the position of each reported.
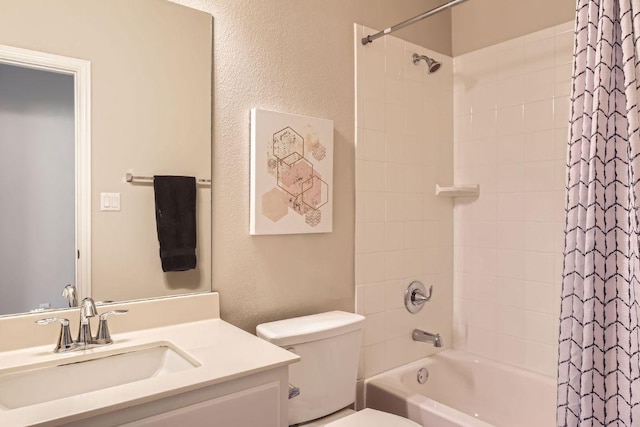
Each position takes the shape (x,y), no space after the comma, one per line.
(176,221)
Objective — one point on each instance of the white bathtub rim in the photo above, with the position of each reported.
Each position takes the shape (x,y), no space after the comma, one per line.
(459,355)
(392,381)
(415,400)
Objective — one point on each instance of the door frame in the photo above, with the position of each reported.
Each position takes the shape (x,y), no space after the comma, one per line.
(80,69)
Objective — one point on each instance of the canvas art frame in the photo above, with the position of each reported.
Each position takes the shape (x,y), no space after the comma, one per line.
(291,174)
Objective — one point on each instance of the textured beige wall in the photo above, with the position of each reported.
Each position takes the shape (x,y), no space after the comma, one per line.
(141,122)
(291,56)
(481,23)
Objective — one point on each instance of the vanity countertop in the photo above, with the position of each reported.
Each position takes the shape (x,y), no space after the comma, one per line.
(224,352)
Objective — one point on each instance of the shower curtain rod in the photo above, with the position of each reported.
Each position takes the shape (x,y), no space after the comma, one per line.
(372,37)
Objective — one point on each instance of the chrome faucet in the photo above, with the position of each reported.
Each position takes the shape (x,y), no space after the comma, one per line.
(85,338)
(87,311)
(428,337)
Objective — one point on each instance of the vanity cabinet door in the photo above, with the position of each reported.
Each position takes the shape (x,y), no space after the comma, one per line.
(256,406)
(255,400)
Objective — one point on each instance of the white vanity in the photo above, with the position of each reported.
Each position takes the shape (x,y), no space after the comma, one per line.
(173,362)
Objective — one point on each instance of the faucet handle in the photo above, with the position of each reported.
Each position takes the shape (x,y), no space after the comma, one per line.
(416,295)
(103,336)
(65,342)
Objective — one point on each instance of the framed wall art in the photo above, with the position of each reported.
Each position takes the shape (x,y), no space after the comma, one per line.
(291,173)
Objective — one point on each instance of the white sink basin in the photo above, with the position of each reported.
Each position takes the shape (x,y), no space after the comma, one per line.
(33,384)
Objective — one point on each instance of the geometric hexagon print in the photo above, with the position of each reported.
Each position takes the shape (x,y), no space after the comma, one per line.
(291,174)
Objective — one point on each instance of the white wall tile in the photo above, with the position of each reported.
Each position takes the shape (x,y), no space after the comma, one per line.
(396,323)
(394,265)
(373,269)
(394,236)
(414,207)
(510,263)
(483,124)
(511,233)
(414,235)
(537,115)
(510,58)
(393,118)
(414,263)
(539,297)
(511,321)
(539,52)
(510,284)
(373,176)
(562,86)
(394,206)
(374,358)
(510,120)
(511,292)
(564,47)
(395,179)
(540,85)
(538,236)
(538,266)
(394,54)
(510,177)
(391,229)
(510,91)
(539,176)
(373,145)
(394,146)
(483,97)
(539,327)
(374,114)
(511,350)
(373,237)
(394,294)
(539,206)
(374,206)
(541,358)
(561,109)
(560,143)
(539,145)
(374,295)
(393,89)
(509,134)
(374,330)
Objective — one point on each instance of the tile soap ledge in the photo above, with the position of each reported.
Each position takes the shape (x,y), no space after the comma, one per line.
(472,190)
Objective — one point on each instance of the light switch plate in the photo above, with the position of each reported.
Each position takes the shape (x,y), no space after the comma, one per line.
(110,202)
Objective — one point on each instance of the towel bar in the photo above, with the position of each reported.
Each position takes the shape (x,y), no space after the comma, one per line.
(131,178)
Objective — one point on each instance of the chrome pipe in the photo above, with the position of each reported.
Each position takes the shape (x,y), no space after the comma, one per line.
(370,38)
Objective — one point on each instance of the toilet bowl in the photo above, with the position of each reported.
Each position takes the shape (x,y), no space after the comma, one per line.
(329,347)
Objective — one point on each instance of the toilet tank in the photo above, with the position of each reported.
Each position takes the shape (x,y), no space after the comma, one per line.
(329,347)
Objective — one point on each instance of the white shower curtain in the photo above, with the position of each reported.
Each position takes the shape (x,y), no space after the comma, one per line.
(598,364)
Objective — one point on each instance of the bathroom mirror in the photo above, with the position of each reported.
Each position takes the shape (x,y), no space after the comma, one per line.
(150,114)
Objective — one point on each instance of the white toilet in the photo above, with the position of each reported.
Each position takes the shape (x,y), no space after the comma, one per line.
(329,347)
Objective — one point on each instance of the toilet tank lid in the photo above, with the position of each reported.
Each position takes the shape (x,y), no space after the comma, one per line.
(309,328)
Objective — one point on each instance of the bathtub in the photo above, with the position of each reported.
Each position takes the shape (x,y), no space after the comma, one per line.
(463,390)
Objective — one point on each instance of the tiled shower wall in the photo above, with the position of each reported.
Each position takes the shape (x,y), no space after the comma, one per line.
(511,109)
(404,147)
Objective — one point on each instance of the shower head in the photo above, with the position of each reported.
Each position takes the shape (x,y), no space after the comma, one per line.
(432,64)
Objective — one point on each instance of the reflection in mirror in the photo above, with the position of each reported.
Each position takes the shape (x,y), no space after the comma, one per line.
(37,174)
(150,114)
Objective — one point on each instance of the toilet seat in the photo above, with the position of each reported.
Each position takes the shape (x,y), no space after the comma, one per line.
(371,418)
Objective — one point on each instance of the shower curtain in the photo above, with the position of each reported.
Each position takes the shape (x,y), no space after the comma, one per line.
(598,359)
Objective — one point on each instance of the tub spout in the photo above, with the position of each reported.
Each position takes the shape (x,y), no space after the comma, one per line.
(428,337)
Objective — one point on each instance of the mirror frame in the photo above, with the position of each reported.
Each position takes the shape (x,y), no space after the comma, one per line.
(81,71)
